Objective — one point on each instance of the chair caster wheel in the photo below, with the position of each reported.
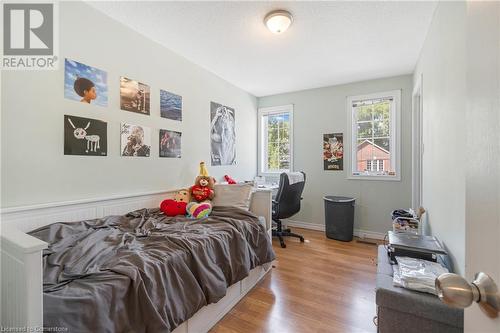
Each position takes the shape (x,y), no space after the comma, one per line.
(302,239)
(283,245)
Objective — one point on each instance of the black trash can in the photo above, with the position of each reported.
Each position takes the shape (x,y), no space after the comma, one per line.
(339,217)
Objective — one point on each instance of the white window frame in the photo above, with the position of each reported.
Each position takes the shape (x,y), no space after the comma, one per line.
(380,165)
(375,165)
(395,139)
(262,141)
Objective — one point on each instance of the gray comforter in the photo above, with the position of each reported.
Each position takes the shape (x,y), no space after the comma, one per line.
(145,272)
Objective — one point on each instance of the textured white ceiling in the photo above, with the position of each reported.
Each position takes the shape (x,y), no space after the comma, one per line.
(328,43)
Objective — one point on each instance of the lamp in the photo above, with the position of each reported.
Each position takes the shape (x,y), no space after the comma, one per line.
(278,21)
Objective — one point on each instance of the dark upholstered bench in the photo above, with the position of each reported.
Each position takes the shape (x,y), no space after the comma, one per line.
(403,310)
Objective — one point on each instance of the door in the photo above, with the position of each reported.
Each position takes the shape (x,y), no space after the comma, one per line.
(482,199)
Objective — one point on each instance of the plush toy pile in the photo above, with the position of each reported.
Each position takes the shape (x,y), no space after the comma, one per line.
(195,201)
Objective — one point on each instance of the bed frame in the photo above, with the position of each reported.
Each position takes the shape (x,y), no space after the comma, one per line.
(21,256)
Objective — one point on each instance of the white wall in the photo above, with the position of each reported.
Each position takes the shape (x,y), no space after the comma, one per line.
(323,110)
(482,194)
(460,66)
(34,168)
(442,67)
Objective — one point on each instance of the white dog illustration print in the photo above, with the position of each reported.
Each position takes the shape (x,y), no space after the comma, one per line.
(81,133)
(78,140)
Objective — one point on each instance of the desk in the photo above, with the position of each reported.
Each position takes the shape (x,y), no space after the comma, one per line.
(269,186)
(273,187)
(261,205)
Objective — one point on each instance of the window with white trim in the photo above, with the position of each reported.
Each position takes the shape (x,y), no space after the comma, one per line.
(374,165)
(275,139)
(375,135)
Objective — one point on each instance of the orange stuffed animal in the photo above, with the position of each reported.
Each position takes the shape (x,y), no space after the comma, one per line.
(183,195)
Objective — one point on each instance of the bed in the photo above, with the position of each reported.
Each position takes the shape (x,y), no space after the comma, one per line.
(169,274)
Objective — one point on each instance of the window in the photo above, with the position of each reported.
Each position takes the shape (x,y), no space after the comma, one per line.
(375,135)
(380,165)
(275,139)
(374,165)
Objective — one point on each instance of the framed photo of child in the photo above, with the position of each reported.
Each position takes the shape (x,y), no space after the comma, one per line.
(85,84)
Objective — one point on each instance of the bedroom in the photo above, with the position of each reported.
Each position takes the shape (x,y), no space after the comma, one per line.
(109,113)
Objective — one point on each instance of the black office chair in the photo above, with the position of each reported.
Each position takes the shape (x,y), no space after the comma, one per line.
(286,204)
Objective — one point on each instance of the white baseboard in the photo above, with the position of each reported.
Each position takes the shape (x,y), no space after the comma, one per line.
(368,234)
(321,227)
(304,225)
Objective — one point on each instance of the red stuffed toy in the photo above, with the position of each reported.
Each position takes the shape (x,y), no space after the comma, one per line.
(173,208)
(203,187)
(177,205)
(229,180)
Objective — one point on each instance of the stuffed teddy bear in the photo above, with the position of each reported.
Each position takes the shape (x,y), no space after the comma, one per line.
(203,189)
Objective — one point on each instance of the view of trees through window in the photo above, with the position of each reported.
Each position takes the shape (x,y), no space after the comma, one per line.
(373,134)
(278,141)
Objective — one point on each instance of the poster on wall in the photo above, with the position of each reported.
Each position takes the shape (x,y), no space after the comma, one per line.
(222,135)
(85,84)
(333,151)
(170,143)
(134,96)
(85,136)
(170,105)
(135,140)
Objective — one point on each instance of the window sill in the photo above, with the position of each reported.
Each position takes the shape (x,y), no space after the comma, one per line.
(272,174)
(376,178)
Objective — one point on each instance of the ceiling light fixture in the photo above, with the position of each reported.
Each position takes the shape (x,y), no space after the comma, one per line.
(278,21)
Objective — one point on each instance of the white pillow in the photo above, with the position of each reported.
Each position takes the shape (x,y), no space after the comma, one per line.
(237,195)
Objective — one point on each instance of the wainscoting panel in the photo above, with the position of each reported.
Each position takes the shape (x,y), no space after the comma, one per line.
(32,217)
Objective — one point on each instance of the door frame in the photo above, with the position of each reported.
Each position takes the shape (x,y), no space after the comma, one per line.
(417,144)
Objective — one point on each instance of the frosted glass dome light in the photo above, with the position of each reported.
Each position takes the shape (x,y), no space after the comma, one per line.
(278,21)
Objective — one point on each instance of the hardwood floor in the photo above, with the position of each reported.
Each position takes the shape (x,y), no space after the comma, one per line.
(321,285)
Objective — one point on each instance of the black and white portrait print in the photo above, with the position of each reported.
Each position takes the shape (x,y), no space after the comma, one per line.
(222,134)
(85,136)
(135,140)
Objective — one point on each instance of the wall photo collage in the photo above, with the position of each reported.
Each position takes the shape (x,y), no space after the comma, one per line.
(88,137)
